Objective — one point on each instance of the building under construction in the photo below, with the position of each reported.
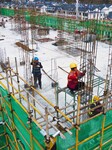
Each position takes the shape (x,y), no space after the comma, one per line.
(31,121)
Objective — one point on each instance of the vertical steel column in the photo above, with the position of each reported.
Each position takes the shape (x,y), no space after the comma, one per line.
(78,121)
(47,129)
(30,122)
(17,74)
(10,74)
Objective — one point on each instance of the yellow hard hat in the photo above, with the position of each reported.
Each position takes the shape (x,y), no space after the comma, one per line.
(96,98)
(73,65)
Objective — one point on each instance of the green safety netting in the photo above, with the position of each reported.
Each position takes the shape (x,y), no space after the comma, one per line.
(51,21)
(7,12)
(2,136)
(3,142)
(101,28)
(20,117)
(87,130)
(22,128)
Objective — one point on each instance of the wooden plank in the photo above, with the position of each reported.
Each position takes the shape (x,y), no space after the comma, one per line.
(26,48)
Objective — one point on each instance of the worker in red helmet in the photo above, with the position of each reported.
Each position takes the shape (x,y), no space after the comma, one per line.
(73,77)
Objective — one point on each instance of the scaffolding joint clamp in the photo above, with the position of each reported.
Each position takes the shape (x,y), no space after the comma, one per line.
(13,130)
(77,126)
(9,68)
(58,122)
(54,118)
(12,110)
(56,107)
(1,108)
(47,139)
(16,73)
(104,113)
(6,133)
(30,112)
(105,92)
(29,120)
(9,95)
(65,128)
(31,86)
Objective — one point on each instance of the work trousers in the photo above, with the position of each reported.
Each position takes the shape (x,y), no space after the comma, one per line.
(79,86)
(38,78)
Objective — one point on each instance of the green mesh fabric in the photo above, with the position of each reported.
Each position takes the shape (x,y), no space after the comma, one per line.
(108,146)
(107,135)
(90,144)
(108,120)
(1,129)
(64,144)
(99,27)
(22,128)
(2,136)
(51,22)
(87,130)
(2,141)
(7,12)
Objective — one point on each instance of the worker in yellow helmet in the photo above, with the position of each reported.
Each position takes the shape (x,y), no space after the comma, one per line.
(95,98)
(94,103)
(73,77)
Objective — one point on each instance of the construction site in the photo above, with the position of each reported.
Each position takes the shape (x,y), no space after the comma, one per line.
(54,118)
